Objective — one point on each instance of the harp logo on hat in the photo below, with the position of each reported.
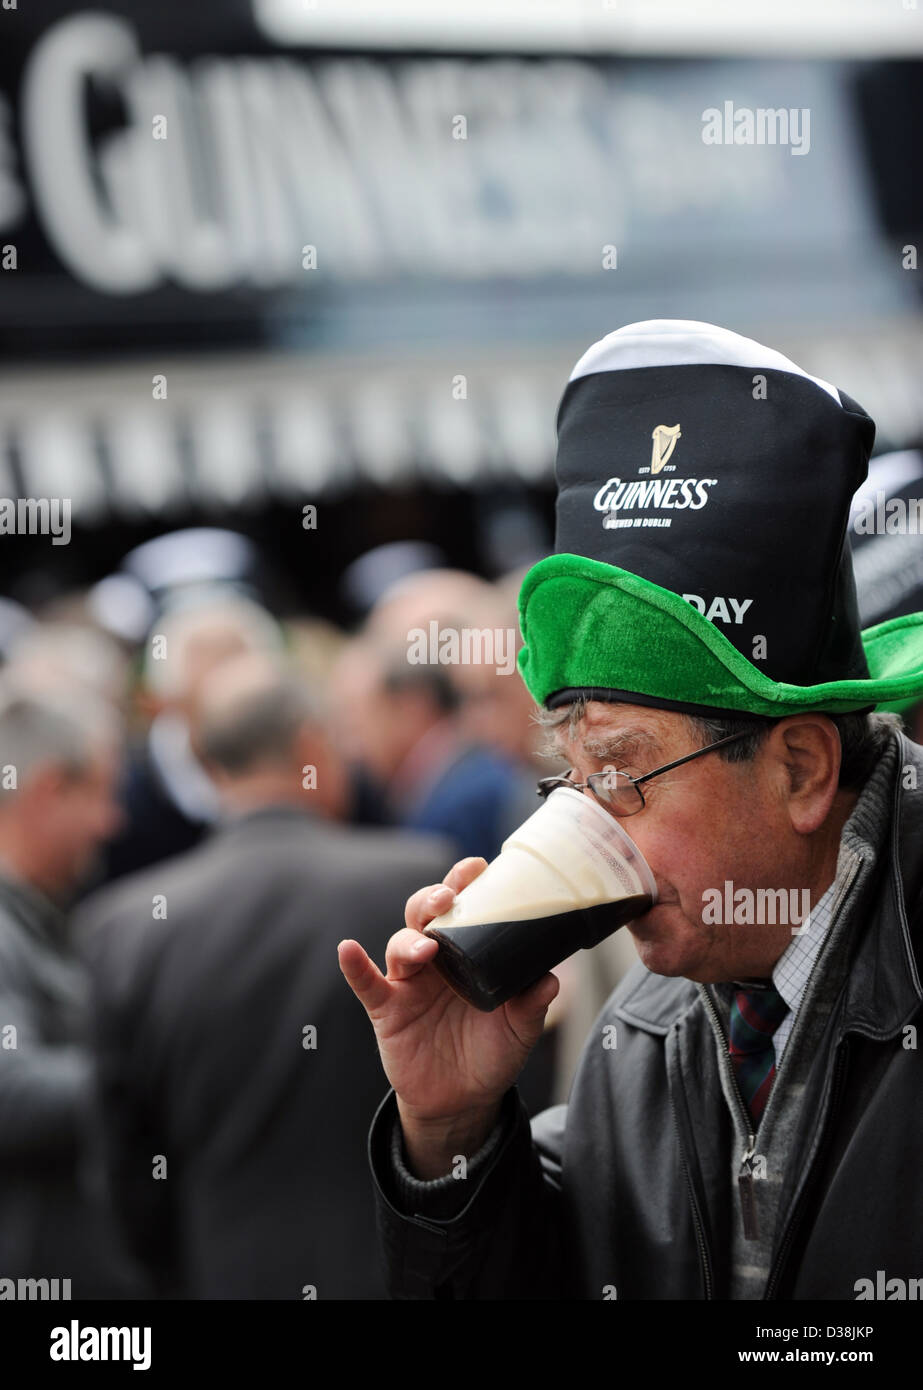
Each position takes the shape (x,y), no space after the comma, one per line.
(664,437)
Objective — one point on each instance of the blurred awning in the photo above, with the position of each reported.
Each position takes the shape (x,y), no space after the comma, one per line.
(862,27)
(237,432)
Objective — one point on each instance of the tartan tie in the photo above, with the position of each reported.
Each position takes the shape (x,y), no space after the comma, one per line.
(755,1016)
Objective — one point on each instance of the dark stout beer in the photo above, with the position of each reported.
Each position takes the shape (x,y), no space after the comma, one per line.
(488,962)
(567,878)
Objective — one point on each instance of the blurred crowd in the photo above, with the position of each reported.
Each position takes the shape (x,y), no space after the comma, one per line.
(191,819)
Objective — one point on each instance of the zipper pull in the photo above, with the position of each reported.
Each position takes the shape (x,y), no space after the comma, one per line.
(745,1187)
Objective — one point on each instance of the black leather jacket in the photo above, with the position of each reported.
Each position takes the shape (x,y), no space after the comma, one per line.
(624,1191)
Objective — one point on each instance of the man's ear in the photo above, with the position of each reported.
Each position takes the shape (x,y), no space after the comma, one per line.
(808,753)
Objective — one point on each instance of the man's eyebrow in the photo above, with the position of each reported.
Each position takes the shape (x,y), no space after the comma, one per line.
(625,744)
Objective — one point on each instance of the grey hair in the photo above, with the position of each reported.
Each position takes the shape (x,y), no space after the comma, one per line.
(71,653)
(259,726)
(863,740)
(863,737)
(39,728)
(182,629)
(551,720)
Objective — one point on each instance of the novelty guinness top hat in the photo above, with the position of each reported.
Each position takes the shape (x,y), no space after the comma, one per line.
(702,564)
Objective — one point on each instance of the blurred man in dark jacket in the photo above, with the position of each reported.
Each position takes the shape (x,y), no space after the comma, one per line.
(57,805)
(400,723)
(236,1067)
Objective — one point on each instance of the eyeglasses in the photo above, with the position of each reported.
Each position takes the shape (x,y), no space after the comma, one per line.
(620,793)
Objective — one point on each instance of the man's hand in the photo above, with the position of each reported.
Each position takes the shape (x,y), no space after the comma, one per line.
(449,1064)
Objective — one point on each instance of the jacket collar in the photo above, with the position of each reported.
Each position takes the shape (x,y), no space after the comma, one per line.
(235,821)
(883,990)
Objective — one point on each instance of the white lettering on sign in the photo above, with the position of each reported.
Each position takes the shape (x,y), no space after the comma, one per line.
(352,157)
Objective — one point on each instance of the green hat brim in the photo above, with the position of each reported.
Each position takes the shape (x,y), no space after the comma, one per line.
(586,623)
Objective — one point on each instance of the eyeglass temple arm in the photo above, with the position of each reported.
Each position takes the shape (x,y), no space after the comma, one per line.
(668,767)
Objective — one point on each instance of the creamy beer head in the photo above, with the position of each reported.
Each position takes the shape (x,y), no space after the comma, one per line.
(565,879)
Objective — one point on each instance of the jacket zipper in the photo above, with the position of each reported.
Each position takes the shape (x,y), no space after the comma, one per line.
(745,1190)
(839,1070)
(745,1172)
(696,1217)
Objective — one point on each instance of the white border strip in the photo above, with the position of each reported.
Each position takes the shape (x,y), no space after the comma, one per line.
(685,343)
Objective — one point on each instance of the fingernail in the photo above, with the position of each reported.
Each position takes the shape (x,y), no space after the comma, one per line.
(418,946)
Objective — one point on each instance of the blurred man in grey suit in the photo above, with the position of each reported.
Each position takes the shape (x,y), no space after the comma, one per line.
(237,1074)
